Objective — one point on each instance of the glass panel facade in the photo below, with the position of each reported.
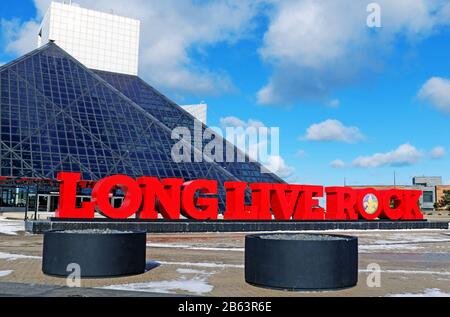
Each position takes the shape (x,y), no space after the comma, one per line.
(56,115)
(13,197)
(174,116)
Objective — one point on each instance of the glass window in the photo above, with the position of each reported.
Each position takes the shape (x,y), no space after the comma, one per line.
(428,197)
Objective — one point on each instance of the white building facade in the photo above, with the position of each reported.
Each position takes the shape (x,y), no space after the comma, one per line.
(100,41)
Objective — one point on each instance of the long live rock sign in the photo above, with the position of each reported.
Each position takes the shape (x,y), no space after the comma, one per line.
(145,197)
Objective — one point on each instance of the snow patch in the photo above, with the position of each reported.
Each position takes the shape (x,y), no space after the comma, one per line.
(196,285)
(429,292)
(191,271)
(204,264)
(444,273)
(367,248)
(11,227)
(405,239)
(375,231)
(13,257)
(5,273)
(192,247)
(191,280)
(402,241)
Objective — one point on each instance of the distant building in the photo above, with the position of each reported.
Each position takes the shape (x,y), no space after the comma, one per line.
(431,186)
(428,186)
(99,40)
(198,111)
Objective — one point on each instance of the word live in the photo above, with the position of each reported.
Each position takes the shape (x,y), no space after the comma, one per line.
(146,197)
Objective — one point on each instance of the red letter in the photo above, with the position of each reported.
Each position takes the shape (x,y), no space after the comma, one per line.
(395,211)
(207,207)
(308,207)
(68,195)
(132,196)
(340,204)
(261,200)
(283,200)
(235,202)
(164,196)
(410,205)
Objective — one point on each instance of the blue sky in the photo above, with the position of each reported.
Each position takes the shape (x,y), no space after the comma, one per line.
(371,100)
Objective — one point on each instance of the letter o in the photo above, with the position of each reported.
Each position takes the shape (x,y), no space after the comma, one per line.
(132,196)
(371,204)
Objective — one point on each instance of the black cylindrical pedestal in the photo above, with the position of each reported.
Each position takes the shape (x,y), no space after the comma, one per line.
(301,261)
(98,253)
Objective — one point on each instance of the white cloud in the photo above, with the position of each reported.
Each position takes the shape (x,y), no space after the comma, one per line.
(277,165)
(309,43)
(21,37)
(335,103)
(405,154)
(318,46)
(300,153)
(337,164)
(232,122)
(333,130)
(436,92)
(235,122)
(259,145)
(438,152)
(170,31)
(294,179)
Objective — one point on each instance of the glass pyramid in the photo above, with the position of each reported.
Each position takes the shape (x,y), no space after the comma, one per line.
(57,115)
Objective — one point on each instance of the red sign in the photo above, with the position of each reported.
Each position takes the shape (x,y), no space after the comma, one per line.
(146,197)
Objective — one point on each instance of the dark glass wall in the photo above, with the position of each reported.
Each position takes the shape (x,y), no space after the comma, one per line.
(56,115)
(174,116)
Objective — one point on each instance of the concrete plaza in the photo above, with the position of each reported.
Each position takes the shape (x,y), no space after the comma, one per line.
(412,263)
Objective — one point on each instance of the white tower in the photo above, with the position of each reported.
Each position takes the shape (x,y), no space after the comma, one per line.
(99,40)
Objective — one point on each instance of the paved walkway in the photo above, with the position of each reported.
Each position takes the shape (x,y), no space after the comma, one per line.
(411,262)
(8,289)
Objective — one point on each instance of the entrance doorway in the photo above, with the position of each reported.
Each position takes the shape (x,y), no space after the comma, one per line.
(43,203)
